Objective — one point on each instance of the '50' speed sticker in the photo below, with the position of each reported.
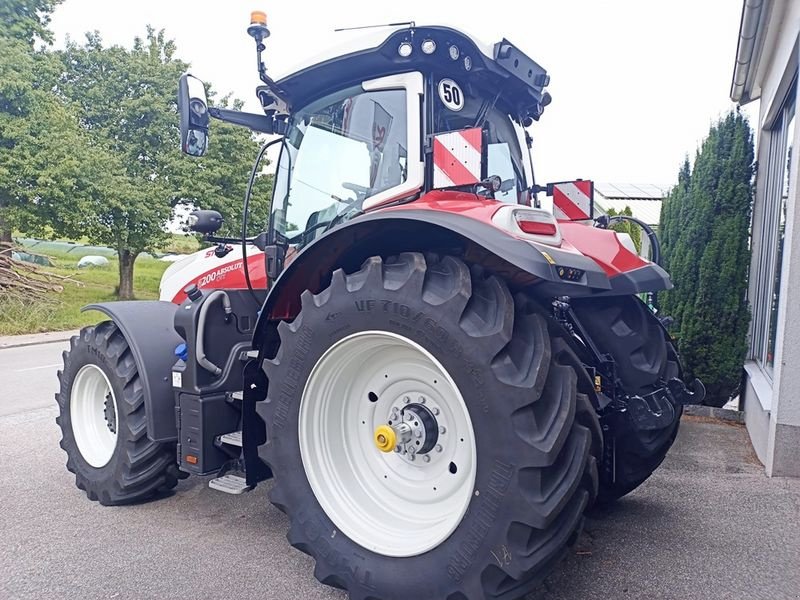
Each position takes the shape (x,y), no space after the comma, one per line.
(451,95)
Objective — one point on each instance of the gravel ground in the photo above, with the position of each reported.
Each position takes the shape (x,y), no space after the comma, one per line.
(709,524)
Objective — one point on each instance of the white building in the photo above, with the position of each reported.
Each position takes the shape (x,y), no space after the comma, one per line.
(644,199)
(766,69)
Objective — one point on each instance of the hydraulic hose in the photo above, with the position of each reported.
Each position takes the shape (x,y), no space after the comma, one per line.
(651,235)
(201,329)
(605,221)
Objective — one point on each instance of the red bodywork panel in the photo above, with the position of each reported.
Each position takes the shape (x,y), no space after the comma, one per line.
(208,272)
(601,245)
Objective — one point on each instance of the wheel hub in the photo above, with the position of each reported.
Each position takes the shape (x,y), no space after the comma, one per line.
(411,430)
(110,414)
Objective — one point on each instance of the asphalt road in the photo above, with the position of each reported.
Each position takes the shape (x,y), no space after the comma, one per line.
(27,377)
(708,525)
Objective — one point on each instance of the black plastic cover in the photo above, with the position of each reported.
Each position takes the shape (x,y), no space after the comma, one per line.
(202,419)
(148,329)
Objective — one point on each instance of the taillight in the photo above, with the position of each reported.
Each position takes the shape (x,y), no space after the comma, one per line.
(535,227)
(533,224)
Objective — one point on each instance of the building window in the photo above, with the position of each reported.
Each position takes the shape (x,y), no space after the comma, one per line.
(772,227)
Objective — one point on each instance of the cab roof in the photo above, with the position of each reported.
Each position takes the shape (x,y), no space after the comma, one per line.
(500,68)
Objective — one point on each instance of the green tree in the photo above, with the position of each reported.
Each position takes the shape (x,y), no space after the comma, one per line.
(705,237)
(26,75)
(632,229)
(27,20)
(126,99)
(126,102)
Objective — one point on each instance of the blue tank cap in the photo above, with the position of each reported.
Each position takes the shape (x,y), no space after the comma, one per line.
(181,352)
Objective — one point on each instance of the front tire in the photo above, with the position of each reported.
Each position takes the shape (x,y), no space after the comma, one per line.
(103,422)
(625,328)
(520,461)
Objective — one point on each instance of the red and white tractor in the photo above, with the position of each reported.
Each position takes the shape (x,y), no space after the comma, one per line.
(438,376)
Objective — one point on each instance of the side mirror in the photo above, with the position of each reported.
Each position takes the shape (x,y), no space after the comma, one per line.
(193,111)
(572,200)
(205,221)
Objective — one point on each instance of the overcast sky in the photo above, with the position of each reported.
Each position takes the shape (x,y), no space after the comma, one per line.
(635,83)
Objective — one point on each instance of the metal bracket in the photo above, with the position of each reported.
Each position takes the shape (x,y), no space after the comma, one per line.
(651,412)
(657,410)
(681,394)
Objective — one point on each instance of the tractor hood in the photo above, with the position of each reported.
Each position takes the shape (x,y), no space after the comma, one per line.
(502,68)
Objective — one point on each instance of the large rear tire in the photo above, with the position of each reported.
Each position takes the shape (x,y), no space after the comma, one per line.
(511,469)
(625,328)
(103,424)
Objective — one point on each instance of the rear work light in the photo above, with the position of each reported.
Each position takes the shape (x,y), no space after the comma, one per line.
(536,227)
(531,224)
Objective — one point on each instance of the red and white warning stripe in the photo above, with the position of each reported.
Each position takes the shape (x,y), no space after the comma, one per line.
(457,158)
(572,200)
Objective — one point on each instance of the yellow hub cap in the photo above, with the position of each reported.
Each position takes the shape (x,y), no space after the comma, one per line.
(385,438)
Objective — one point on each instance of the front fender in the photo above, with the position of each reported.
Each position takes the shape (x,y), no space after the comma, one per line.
(148,329)
(393,231)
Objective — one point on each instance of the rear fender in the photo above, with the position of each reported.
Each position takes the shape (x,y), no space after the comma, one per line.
(627,271)
(148,327)
(389,232)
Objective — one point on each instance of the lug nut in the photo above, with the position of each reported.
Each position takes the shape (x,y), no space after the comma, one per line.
(412,451)
(435,411)
(406,400)
(418,433)
(442,429)
(426,458)
(411,458)
(397,448)
(422,399)
(438,447)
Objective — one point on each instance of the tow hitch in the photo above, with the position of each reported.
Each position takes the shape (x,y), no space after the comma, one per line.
(657,409)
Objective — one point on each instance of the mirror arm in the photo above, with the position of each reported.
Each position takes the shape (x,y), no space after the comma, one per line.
(281,100)
(260,123)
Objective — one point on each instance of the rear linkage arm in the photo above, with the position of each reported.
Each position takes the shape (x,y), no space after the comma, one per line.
(653,411)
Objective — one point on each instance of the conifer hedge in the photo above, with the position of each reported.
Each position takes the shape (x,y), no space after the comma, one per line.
(704,232)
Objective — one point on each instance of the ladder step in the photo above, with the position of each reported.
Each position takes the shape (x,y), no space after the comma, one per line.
(234,438)
(230,484)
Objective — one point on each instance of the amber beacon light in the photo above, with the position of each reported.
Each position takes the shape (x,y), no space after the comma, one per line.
(258,25)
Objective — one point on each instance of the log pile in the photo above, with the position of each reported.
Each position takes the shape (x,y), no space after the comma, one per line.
(25,281)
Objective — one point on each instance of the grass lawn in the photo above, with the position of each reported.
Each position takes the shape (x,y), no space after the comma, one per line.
(63,310)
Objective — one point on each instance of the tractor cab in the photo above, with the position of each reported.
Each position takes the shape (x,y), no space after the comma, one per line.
(401,112)
(426,108)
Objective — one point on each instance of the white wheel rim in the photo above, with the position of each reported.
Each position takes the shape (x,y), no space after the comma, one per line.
(93,424)
(386,502)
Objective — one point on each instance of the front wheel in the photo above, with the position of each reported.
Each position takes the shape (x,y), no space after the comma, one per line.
(625,328)
(427,433)
(103,422)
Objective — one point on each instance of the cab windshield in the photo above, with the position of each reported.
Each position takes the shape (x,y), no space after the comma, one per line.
(353,146)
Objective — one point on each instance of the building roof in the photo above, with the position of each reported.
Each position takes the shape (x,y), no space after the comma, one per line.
(752,29)
(632,191)
(644,199)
